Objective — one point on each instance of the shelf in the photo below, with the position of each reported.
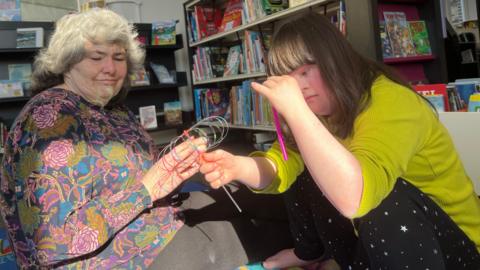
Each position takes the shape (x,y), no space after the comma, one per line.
(411,59)
(264,128)
(19,50)
(402,1)
(231,78)
(269,18)
(14,99)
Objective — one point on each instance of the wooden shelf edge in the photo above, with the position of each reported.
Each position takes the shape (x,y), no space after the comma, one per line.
(410,59)
(231,78)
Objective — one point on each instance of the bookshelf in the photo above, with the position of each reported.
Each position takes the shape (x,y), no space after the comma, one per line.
(419,68)
(202,83)
(154,94)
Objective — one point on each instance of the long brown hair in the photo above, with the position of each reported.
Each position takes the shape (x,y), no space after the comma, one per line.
(312,39)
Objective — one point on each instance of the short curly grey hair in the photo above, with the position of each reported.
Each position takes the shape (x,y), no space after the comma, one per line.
(67,46)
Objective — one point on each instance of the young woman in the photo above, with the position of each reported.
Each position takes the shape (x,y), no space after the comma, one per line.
(377,155)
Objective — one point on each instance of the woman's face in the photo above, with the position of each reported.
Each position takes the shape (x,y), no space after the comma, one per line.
(100,75)
(313,88)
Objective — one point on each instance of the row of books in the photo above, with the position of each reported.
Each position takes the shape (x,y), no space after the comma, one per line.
(3,135)
(402,38)
(244,58)
(239,105)
(461,95)
(204,21)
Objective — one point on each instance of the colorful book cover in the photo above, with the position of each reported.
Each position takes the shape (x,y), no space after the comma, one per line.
(232,17)
(164,32)
(218,103)
(437,101)
(233,61)
(10,10)
(173,113)
(140,78)
(396,26)
(385,41)
(148,117)
(419,32)
(434,89)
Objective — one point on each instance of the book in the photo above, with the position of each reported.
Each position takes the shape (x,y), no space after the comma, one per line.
(9,89)
(385,41)
(396,26)
(437,101)
(164,32)
(418,30)
(173,113)
(434,89)
(233,60)
(10,10)
(232,17)
(140,78)
(22,73)
(148,117)
(474,103)
(30,37)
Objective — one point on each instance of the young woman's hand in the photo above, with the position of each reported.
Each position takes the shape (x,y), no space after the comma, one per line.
(174,168)
(219,167)
(283,92)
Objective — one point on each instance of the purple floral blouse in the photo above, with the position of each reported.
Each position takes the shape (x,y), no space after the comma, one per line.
(71,190)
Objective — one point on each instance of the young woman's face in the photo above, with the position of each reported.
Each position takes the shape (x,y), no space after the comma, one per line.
(314,90)
(101,73)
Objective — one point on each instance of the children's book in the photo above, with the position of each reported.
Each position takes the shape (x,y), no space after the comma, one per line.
(396,26)
(233,60)
(148,117)
(173,113)
(140,78)
(22,73)
(164,32)
(232,17)
(30,37)
(434,89)
(386,47)
(418,30)
(437,101)
(9,89)
(10,10)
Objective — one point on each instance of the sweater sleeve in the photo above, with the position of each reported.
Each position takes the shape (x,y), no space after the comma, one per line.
(386,137)
(287,171)
(52,173)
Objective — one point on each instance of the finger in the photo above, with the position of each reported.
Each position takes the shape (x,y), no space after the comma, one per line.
(188,148)
(261,88)
(208,167)
(213,156)
(188,173)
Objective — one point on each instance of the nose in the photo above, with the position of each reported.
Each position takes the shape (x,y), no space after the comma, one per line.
(109,65)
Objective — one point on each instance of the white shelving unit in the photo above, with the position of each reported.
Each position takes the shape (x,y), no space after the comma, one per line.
(464,127)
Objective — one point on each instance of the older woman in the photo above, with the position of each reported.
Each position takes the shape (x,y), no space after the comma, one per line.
(80,176)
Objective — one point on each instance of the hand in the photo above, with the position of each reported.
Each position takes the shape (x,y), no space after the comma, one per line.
(174,168)
(283,92)
(219,168)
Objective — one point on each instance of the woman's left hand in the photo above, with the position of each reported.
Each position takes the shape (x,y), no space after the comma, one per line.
(283,92)
(174,168)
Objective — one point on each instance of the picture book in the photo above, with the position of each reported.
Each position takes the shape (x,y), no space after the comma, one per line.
(398,32)
(140,78)
(233,60)
(386,47)
(173,113)
(218,60)
(20,72)
(418,30)
(148,117)
(232,17)
(10,10)
(9,89)
(30,37)
(437,101)
(474,103)
(164,32)
(434,89)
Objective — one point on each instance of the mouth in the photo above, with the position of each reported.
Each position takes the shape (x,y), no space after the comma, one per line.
(309,98)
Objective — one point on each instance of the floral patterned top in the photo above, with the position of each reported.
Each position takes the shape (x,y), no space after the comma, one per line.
(71,194)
